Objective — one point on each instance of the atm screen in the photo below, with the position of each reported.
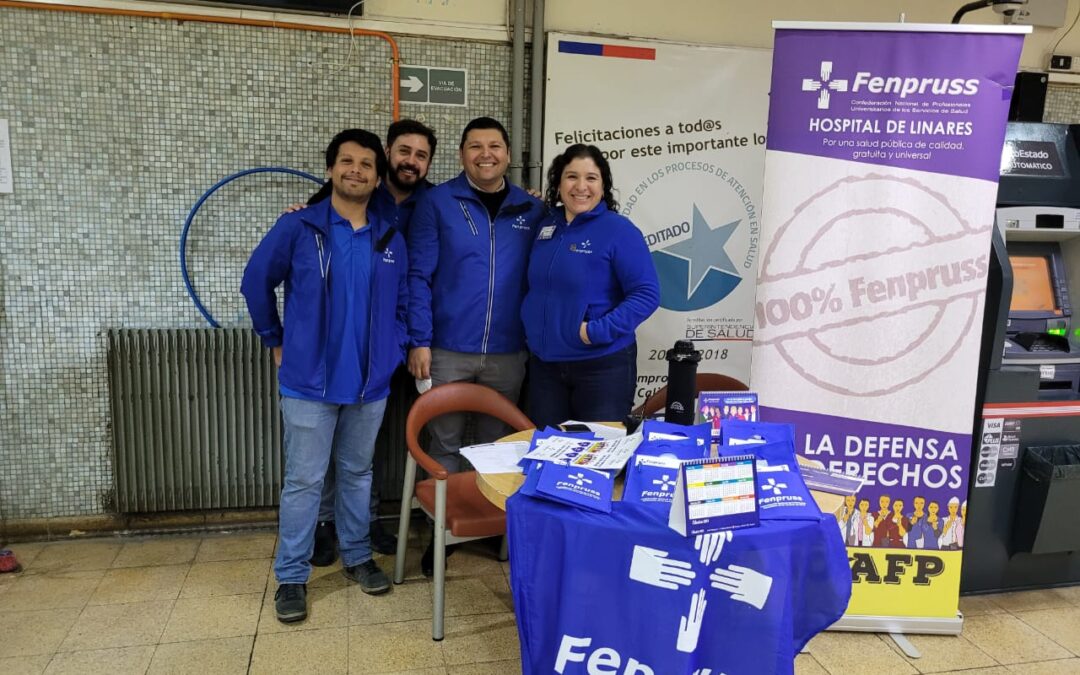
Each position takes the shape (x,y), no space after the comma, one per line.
(1033,285)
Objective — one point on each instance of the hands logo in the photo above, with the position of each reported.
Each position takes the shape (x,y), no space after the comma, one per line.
(824,85)
(665,482)
(772,486)
(655,567)
(697,272)
(579,478)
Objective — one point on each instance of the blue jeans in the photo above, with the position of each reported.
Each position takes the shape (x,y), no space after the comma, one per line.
(592,390)
(313,431)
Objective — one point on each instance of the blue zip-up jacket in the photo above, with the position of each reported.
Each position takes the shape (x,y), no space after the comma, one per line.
(296,252)
(398,215)
(467,272)
(596,269)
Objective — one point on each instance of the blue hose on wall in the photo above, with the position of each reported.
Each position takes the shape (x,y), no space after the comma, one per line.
(195,209)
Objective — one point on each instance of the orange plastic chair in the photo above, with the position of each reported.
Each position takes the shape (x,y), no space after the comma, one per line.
(452,500)
(705,382)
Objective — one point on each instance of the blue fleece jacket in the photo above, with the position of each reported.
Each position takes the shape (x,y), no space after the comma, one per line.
(296,252)
(467,271)
(398,215)
(595,269)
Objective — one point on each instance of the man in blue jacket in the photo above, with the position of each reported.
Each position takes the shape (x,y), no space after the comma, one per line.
(409,149)
(344,271)
(469,244)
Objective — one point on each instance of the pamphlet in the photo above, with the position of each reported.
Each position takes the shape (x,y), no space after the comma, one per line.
(575,486)
(717,406)
(715,494)
(610,455)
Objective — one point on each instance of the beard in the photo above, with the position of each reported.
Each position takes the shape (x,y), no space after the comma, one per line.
(404,182)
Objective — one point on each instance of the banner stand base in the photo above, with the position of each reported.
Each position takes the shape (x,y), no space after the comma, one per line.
(898,626)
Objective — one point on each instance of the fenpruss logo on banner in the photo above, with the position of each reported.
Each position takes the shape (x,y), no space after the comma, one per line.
(824,85)
(868,82)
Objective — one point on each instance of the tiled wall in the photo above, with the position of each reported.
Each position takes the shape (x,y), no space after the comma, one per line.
(1062,104)
(118,125)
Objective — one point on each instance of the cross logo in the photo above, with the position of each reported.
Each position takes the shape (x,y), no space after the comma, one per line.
(579,478)
(824,85)
(665,482)
(656,567)
(772,486)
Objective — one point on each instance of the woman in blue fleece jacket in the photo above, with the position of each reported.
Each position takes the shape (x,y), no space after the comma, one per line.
(591,282)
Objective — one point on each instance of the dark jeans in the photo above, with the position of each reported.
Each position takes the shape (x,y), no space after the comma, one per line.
(593,390)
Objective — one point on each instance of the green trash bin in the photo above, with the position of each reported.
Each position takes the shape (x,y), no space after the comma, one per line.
(1049,500)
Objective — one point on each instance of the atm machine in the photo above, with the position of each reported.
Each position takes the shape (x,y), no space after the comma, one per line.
(1030,380)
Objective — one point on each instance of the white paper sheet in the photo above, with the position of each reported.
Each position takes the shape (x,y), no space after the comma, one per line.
(496,457)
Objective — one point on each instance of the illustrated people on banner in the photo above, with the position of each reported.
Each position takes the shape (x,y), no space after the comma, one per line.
(952,530)
(899,537)
(846,514)
(921,534)
(862,527)
(934,521)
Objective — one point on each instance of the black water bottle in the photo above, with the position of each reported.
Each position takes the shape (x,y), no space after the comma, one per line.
(681,382)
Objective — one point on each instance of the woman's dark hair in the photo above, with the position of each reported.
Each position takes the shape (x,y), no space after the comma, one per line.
(363,138)
(579,151)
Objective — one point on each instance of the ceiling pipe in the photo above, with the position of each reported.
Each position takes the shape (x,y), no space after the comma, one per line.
(517,92)
(536,113)
(235,21)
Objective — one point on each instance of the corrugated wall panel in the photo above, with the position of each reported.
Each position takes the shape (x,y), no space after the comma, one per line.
(196,422)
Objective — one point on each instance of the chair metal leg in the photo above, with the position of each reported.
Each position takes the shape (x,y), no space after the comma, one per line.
(504,549)
(403,521)
(440,560)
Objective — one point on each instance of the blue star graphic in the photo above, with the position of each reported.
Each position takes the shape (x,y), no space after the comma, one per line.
(704,250)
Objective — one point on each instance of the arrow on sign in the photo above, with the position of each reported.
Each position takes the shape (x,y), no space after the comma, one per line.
(413,84)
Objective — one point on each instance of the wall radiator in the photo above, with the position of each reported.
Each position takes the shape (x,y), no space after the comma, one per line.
(196,422)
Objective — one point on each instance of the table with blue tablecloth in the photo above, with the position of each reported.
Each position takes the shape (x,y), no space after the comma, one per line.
(621,592)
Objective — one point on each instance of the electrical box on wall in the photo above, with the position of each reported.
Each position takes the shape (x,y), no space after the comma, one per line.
(1045,13)
(1063,63)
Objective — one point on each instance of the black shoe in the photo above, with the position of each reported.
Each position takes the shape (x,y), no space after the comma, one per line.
(325,544)
(372,580)
(427,562)
(382,541)
(290,601)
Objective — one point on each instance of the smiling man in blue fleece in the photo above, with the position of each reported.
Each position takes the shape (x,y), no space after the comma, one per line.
(344,333)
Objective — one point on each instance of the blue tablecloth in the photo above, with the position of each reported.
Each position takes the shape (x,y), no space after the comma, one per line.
(625,593)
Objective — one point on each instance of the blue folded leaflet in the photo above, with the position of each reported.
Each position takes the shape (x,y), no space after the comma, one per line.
(541,434)
(700,433)
(737,431)
(781,491)
(653,469)
(572,485)
(651,479)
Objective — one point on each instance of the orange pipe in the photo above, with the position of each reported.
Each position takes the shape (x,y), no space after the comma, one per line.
(173,16)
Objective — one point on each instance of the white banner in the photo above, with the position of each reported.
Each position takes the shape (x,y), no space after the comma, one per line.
(684,130)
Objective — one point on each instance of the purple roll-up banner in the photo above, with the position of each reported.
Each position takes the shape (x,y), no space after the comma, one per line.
(881,167)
